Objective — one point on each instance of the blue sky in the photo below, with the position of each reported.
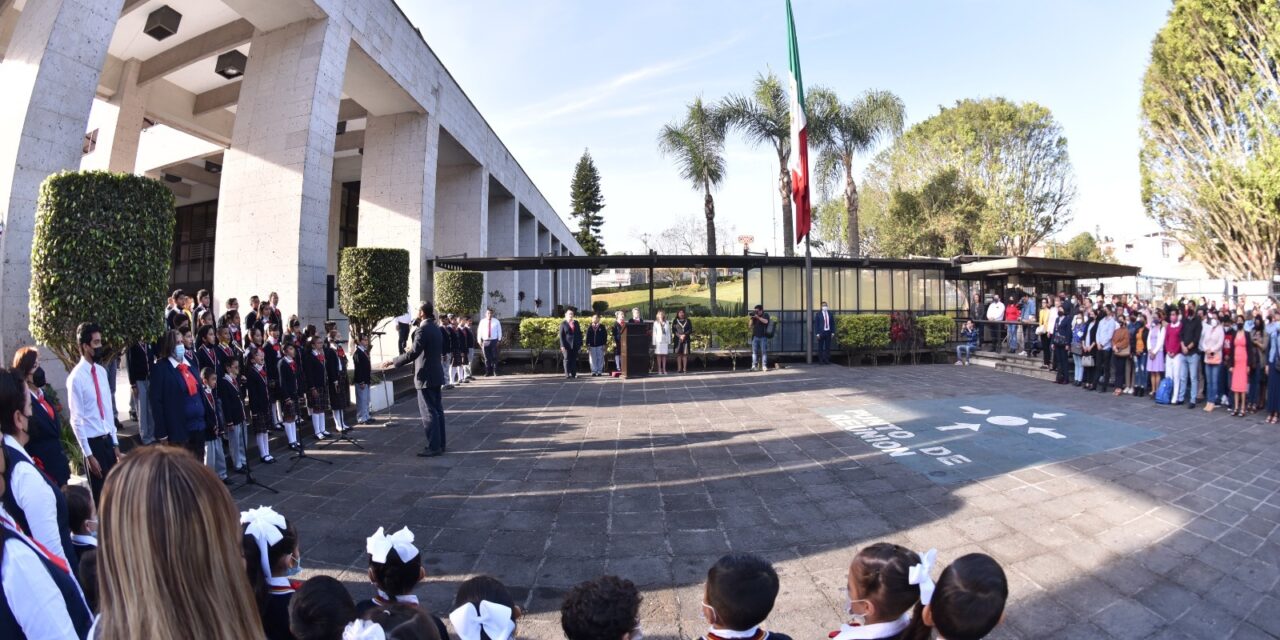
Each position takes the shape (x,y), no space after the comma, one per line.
(556,76)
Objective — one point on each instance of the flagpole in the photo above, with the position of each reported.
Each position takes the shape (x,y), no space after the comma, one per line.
(808,311)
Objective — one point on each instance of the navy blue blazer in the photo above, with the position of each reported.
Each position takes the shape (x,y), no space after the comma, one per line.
(817,324)
(428,345)
(570,340)
(175,413)
(46,444)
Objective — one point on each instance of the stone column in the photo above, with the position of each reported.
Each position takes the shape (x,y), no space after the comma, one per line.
(526,245)
(462,198)
(132,102)
(544,275)
(49,77)
(398,191)
(273,212)
(503,242)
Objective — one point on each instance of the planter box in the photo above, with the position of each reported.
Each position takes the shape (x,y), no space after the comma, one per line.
(381,396)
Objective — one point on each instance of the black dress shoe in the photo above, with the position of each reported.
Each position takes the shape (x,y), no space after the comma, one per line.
(430,453)
(1191,406)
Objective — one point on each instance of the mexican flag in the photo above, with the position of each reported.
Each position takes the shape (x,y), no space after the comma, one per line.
(799,161)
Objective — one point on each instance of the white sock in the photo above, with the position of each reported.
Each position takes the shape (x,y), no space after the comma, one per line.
(291,432)
(263,447)
(337,420)
(317,423)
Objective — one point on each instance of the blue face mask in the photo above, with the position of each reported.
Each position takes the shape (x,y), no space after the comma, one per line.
(180,352)
(295,569)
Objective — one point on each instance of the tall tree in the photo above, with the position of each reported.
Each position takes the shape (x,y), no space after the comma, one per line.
(764,118)
(587,202)
(697,146)
(1211,133)
(843,131)
(1012,156)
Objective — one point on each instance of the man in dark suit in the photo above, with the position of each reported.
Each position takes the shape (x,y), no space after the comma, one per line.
(824,327)
(570,344)
(428,377)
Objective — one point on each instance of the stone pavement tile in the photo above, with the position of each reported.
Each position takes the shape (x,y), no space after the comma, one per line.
(645,571)
(643,522)
(1080,630)
(1169,600)
(1196,576)
(1128,620)
(1045,617)
(1085,595)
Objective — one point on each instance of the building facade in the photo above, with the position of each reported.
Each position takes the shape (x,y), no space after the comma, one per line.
(286,129)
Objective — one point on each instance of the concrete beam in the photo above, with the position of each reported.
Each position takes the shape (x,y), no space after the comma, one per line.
(220,98)
(130,5)
(193,173)
(179,189)
(269,16)
(210,43)
(348,141)
(349,109)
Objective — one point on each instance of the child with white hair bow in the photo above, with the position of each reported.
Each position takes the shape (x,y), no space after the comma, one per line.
(484,610)
(271,559)
(395,569)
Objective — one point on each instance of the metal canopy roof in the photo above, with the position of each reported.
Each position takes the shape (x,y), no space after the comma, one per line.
(526,263)
(1047,267)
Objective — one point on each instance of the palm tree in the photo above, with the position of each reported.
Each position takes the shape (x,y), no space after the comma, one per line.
(697,145)
(764,117)
(842,131)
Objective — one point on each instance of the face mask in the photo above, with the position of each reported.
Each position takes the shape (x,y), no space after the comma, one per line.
(99,354)
(92,526)
(824,307)
(296,568)
(37,377)
(637,634)
(859,619)
(180,352)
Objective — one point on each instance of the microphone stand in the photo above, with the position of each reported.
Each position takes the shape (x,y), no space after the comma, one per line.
(249,480)
(300,454)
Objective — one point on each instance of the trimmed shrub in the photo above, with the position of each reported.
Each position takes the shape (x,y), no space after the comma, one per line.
(539,335)
(862,331)
(373,283)
(101,252)
(600,306)
(459,292)
(937,329)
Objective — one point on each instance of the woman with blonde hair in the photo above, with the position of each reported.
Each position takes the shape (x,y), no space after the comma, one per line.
(661,340)
(170,560)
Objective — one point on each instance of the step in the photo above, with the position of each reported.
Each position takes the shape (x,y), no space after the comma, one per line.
(1011,363)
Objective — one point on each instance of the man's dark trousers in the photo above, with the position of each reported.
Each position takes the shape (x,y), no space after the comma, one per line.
(402,331)
(571,362)
(431,408)
(105,454)
(824,348)
(1102,364)
(491,357)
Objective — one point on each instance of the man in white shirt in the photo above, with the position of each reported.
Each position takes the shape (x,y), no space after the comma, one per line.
(488,334)
(92,417)
(995,313)
(403,323)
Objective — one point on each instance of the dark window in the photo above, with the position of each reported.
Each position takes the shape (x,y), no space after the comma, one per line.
(193,241)
(349,216)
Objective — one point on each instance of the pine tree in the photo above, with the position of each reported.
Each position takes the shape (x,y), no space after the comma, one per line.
(587,201)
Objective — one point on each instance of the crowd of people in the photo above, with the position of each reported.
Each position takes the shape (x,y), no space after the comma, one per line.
(168,556)
(1185,352)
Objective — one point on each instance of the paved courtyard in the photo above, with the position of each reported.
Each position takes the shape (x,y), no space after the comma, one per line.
(1112,517)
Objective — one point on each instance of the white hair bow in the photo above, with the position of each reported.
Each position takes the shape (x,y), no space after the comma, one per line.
(379,544)
(494,619)
(267,528)
(363,630)
(921,575)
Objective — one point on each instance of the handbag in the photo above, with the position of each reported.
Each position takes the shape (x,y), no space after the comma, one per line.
(1122,353)
(1087,361)
(1213,357)
(1076,349)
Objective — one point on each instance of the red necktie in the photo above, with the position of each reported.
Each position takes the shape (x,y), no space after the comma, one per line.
(47,408)
(186,377)
(93,370)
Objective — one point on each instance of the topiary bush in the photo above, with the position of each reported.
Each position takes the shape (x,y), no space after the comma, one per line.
(862,331)
(101,252)
(459,292)
(539,335)
(373,283)
(937,330)
(600,306)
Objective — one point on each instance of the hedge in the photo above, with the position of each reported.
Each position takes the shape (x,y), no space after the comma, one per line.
(373,283)
(459,292)
(862,331)
(937,330)
(101,252)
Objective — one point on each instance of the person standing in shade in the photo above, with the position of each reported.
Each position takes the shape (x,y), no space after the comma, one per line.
(570,344)
(44,431)
(362,369)
(92,418)
(682,329)
(176,402)
(488,334)
(428,377)
(619,322)
(661,340)
(403,324)
(139,359)
(824,327)
(597,337)
(759,338)
(1192,326)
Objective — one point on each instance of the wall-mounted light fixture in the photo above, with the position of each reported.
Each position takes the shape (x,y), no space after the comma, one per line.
(162,23)
(230,65)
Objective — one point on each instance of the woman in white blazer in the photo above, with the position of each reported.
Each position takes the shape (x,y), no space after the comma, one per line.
(661,340)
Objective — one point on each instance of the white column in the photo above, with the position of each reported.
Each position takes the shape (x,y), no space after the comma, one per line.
(132,103)
(273,210)
(527,245)
(504,216)
(398,191)
(49,78)
(544,275)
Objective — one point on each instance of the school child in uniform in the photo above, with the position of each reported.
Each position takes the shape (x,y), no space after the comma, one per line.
(395,568)
(227,350)
(289,395)
(82,518)
(739,594)
(320,610)
(231,401)
(206,348)
(339,388)
(317,386)
(483,605)
(274,352)
(396,622)
(458,353)
(51,604)
(969,599)
(257,383)
(607,607)
(363,377)
(885,592)
(214,457)
(271,559)
(446,349)
(469,344)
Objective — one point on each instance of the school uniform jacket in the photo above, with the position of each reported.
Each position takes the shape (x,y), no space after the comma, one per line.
(314,370)
(50,523)
(275,616)
(363,366)
(212,413)
(39,596)
(139,362)
(231,397)
(45,442)
(176,412)
(333,366)
(288,373)
(206,356)
(597,335)
(272,354)
(570,335)
(255,383)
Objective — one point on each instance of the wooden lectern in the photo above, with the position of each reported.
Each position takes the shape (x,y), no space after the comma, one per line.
(636,339)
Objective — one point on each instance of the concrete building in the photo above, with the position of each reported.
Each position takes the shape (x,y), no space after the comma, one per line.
(287,129)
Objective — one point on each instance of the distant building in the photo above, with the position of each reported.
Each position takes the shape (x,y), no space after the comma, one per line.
(617,278)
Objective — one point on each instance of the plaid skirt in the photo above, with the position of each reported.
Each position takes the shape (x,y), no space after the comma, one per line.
(340,395)
(260,421)
(319,403)
(288,410)
(458,359)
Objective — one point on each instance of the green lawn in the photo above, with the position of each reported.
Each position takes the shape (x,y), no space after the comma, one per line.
(665,296)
